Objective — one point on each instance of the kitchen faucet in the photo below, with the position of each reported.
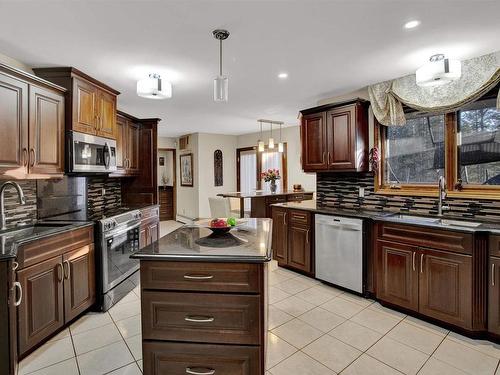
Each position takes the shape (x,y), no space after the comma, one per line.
(442,196)
(22,199)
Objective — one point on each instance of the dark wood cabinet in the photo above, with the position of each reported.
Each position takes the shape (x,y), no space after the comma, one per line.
(32,121)
(90,104)
(299,247)
(280,235)
(494,295)
(149,230)
(9,295)
(127,145)
(335,137)
(397,280)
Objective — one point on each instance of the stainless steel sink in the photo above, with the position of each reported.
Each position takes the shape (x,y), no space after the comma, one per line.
(439,221)
(459,223)
(413,218)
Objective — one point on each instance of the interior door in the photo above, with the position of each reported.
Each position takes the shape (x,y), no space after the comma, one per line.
(14,126)
(41,311)
(397,275)
(106,126)
(280,235)
(46,131)
(84,107)
(79,281)
(341,138)
(314,142)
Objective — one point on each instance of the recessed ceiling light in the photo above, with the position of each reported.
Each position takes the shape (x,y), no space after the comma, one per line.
(412,24)
(283,75)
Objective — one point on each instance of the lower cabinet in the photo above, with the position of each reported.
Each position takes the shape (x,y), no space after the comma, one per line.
(494,295)
(299,247)
(149,231)
(280,235)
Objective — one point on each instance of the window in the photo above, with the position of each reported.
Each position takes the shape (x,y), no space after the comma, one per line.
(463,146)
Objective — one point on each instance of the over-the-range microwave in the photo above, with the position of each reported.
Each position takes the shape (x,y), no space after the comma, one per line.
(90,154)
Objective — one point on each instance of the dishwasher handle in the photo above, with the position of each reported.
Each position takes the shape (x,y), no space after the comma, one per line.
(352,227)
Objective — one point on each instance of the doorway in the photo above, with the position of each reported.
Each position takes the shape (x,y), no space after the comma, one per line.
(167,183)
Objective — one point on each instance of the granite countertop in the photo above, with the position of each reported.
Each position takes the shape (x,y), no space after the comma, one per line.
(402,218)
(261,194)
(248,243)
(10,240)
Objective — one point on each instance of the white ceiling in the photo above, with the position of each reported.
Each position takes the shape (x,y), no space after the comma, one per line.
(328,48)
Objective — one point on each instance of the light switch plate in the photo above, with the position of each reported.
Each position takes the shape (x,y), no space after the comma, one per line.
(361,192)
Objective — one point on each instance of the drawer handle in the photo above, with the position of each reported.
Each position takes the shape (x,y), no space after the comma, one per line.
(199,371)
(198,277)
(199,319)
(493,274)
(413,261)
(421,263)
(17,285)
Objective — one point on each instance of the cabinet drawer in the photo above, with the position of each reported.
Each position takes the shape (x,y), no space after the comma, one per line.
(426,237)
(494,246)
(276,199)
(299,217)
(202,277)
(161,358)
(201,317)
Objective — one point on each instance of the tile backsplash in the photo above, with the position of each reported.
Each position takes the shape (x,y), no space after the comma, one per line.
(99,202)
(342,190)
(16,213)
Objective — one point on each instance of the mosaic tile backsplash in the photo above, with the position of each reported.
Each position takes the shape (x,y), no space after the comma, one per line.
(342,190)
(16,213)
(97,202)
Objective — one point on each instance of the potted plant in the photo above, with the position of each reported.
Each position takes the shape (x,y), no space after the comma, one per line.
(271,175)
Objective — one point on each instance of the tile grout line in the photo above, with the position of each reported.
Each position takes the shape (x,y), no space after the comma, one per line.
(437,347)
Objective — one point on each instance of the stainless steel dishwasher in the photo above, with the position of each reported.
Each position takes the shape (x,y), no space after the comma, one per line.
(339,251)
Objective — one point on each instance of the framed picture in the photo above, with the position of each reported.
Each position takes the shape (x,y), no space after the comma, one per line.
(186,162)
(161,161)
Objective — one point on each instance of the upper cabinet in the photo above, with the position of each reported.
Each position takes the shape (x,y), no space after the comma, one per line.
(127,144)
(32,123)
(335,137)
(90,104)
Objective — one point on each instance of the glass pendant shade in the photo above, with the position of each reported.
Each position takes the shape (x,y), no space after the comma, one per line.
(280,147)
(260,146)
(221,84)
(438,71)
(271,143)
(154,87)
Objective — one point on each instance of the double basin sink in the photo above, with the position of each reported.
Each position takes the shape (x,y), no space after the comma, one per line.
(437,221)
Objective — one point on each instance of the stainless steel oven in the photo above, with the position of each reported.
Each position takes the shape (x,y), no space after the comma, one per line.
(90,154)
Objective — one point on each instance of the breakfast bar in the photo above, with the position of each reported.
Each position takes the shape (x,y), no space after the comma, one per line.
(204,300)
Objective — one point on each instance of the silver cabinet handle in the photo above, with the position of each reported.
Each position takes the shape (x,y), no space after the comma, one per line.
(15,265)
(17,285)
(307,236)
(421,263)
(284,218)
(199,319)
(413,261)
(198,277)
(493,274)
(199,371)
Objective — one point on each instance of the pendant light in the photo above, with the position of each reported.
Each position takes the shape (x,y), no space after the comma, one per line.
(280,144)
(271,139)
(154,87)
(438,71)
(220,82)
(260,142)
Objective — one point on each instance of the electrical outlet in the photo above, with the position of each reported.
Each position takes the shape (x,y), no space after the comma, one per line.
(361,192)
(103,192)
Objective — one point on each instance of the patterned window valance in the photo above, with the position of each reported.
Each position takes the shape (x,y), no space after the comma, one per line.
(479,75)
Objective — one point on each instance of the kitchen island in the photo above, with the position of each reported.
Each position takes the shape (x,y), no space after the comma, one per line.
(204,300)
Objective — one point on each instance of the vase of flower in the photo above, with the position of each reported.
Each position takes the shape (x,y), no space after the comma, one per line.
(271,176)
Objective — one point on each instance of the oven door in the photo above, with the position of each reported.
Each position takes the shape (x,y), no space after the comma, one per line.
(89,153)
(117,246)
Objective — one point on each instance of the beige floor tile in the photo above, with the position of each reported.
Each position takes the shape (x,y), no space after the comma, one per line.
(131,369)
(366,365)
(293,286)
(316,295)
(131,297)
(275,278)
(68,367)
(436,367)
(285,272)
(277,317)
(61,335)
(376,320)
(135,345)
(300,364)
(342,307)
(322,319)
(276,294)
(96,338)
(415,337)
(484,346)
(427,326)
(465,358)
(90,321)
(125,310)
(332,353)
(356,335)
(307,280)
(297,333)
(139,363)
(277,350)
(104,360)
(378,307)
(365,302)
(294,306)
(397,355)
(48,354)
(168,226)
(329,289)
(130,326)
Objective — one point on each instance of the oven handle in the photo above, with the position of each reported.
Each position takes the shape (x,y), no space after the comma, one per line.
(121,231)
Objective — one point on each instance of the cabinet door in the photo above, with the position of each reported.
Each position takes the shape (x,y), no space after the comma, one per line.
(341,134)
(494,296)
(84,107)
(133,134)
(106,109)
(299,247)
(397,275)
(153,232)
(46,131)
(280,235)
(79,281)
(143,237)
(121,143)
(445,287)
(41,311)
(14,125)
(314,142)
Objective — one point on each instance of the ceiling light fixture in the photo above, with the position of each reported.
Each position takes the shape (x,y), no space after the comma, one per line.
(154,87)
(220,82)
(271,139)
(411,24)
(260,142)
(283,75)
(438,71)
(280,144)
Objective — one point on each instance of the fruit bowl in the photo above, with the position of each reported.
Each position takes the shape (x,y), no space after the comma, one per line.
(220,225)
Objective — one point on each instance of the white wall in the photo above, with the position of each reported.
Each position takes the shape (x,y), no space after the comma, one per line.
(15,63)
(187,197)
(290,135)
(167,142)
(166,171)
